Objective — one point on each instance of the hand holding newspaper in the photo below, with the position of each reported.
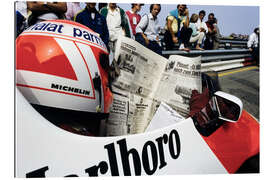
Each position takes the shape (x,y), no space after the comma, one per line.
(147,79)
(181,76)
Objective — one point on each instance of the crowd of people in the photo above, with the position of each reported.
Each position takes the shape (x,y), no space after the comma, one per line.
(182,30)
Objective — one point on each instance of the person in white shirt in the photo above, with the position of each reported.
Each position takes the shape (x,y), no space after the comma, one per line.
(201,26)
(117,23)
(253,45)
(21,6)
(21,17)
(147,31)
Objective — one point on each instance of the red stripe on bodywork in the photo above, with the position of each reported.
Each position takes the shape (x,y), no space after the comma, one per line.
(249,61)
(233,143)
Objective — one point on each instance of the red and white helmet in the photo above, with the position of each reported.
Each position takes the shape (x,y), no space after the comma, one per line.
(58,65)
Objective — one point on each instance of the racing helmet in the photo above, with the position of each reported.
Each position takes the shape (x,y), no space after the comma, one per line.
(59,70)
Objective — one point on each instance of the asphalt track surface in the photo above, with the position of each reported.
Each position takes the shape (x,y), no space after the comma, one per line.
(244,84)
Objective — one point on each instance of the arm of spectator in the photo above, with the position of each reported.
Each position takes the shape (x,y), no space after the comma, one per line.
(126,26)
(205,27)
(145,38)
(37,6)
(169,25)
(59,7)
(198,26)
(211,31)
(214,30)
(186,23)
(141,27)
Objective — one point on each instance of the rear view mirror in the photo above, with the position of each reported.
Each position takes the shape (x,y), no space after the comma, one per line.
(229,107)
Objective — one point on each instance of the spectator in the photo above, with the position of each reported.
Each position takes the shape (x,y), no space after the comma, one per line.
(20,23)
(253,45)
(148,28)
(197,36)
(201,25)
(217,35)
(21,17)
(45,11)
(210,36)
(117,23)
(21,6)
(91,18)
(133,16)
(72,9)
(177,28)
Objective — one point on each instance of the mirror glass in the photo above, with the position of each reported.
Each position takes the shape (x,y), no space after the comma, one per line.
(228,110)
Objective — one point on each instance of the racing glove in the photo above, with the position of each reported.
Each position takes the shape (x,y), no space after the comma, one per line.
(202,108)
(198,101)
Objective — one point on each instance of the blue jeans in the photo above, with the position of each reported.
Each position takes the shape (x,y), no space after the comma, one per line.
(153,45)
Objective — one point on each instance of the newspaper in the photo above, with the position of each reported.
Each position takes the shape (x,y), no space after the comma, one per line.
(118,123)
(146,79)
(181,76)
(141,68)
(159,121)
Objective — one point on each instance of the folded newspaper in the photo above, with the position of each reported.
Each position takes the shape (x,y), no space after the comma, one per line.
(159,121)
(146,79)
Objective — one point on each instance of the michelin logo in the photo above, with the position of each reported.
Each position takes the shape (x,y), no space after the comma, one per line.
(70,89)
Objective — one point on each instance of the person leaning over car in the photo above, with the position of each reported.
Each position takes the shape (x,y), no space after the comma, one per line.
(45,11)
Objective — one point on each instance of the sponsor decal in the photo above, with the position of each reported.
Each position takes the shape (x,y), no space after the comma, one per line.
(70,89)
(70,30)
(141,160)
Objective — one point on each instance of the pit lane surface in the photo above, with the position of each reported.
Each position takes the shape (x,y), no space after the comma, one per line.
(243,83)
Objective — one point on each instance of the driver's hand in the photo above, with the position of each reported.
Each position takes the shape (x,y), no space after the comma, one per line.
(198,101)
(200,108)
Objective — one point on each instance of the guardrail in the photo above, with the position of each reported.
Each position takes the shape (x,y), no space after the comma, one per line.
(233,41)
(212,55)
(217,60)
(224,42)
